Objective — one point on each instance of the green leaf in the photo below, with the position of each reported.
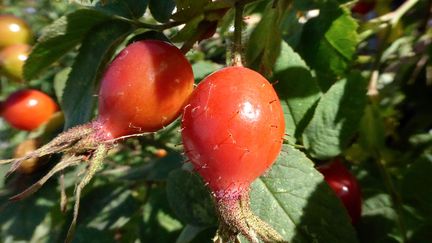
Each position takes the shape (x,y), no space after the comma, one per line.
(108,207)
(59,38)
(161,10)
(294,198)
(290,125)
(96,50)
(189,233)
(132,9)
(190,199)
(379,219)
(336,118)
(264,43)
(296,88)
(291,28)
(329,42)
(28,220)
(189,30)
(60,82)
(416,188)
(149,35)
(188,9)
(155,170)
(203,68)
(158,221)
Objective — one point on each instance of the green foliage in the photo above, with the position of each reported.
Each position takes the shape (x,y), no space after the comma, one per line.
(161,9)
(97,48)
(296,87)
(131,9)
(336,118)
(264,45)
(328,43)
(190,199)
(59,38)
(322,63)
(303,208)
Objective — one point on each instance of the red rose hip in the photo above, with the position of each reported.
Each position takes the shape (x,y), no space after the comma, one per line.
(232,129)
(346,187)
(28,109)
(144,88)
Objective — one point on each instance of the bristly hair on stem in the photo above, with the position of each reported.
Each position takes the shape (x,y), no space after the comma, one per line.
(236,217)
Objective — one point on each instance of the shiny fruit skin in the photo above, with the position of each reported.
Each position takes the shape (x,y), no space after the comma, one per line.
(346,187)
(144,88)
(232,129)
(28,109)
(13,30)
(12,59)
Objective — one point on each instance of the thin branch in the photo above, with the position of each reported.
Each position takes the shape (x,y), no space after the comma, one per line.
(237,46)
(389,19)
(159,27)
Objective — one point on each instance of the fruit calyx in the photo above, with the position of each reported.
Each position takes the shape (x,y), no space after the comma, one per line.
(75,141)
(78,144)
(236,216)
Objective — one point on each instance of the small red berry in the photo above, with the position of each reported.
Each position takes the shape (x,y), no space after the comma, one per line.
(345,185)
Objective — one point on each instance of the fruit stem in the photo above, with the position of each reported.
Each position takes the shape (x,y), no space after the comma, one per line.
(236,217)
(390,19)
(237,46)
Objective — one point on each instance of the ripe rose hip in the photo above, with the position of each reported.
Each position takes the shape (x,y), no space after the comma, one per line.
(12,59)
(28,109)
(13,30)
(345,185)
(143,89)
(232,129)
